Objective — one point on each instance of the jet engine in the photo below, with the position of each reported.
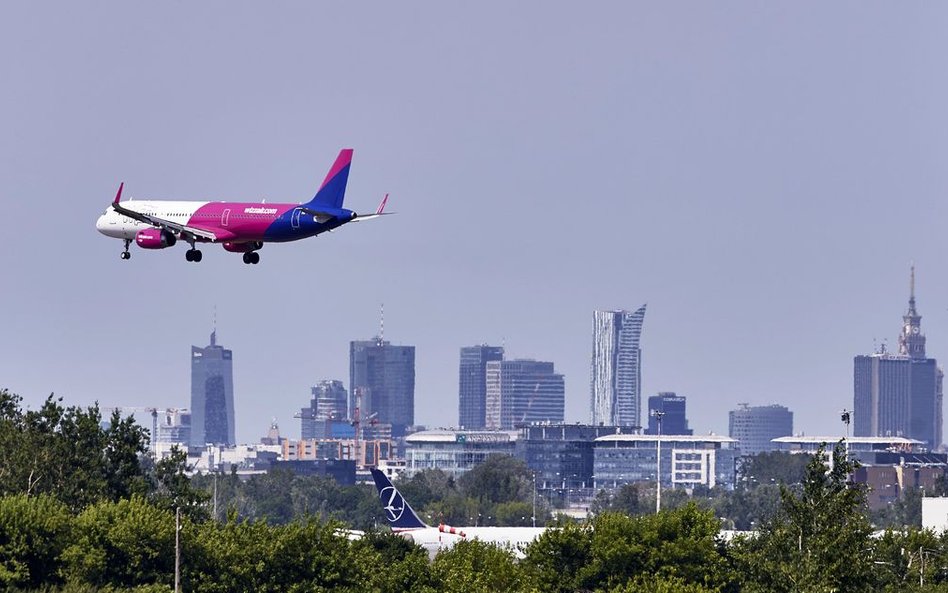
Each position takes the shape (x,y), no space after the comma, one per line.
(243,247)
(155,239)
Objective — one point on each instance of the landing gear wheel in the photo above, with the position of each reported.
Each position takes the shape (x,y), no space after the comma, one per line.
(254,257)
(193,255)
(247,257)
(126,255)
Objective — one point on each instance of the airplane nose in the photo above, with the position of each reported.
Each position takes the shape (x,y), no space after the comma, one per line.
(100,224)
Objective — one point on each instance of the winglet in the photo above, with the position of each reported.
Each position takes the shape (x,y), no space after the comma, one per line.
(382,205)
(118,195)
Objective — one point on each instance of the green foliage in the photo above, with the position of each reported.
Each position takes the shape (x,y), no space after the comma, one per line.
(64,452)
(660,584)
(554,560)
(175,489)
(899,557)
(819,538)
(500,478)
(473,567)
(123,544)
(254,556)
(747,508)
(392,563)
(773,468)
(34,531)
(904,512)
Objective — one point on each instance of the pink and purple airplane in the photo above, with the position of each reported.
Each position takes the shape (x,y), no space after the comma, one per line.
(239,227)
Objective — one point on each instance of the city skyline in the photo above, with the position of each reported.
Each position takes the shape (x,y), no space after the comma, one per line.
(746,173)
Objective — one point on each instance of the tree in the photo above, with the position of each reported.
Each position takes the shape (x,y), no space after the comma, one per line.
(34,531)
(475,567)
(175,489)
(122,544)
(772,467)
(818,539)
(500,478)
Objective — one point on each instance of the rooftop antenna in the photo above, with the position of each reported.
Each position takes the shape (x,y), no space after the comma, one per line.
(214,328)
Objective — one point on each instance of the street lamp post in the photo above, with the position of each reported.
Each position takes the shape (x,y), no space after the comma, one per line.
(658,461)
(846,417)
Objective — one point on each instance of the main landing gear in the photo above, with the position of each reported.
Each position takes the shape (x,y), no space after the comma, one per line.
(126,254)
(251,257)
(193,254)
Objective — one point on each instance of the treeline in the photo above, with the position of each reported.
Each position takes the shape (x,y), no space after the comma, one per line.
(84,508)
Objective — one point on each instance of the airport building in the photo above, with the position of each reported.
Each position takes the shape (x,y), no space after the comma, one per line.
(900,394)
(382,376)
(756,427)
(673,417)
(212,396)
(523,392)
(616,385)
(686,461)
(455,451)
(472,384)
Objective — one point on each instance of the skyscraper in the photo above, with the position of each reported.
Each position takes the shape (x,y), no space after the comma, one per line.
(212,395)
(616,383)
(472,384)
(756,426)
(521,392)
(900,394)
(672,406)
(329,402)
(384,376)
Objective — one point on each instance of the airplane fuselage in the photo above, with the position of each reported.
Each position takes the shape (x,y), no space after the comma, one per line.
(434,539)
(231,222)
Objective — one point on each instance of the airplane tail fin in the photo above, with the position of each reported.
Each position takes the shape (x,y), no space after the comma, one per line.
(333,190)
(398,512)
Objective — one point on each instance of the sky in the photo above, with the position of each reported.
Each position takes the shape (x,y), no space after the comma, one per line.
(761,174)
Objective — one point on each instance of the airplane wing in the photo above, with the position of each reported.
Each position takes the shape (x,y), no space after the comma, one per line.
(155,221)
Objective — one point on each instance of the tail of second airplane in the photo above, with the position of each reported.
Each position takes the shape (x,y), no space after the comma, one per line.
(398,512)
(333,190)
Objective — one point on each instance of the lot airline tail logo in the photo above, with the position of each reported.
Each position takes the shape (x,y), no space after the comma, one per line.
(392,502)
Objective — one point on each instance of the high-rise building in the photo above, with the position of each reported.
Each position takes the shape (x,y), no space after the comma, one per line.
(329,403)
(472,384)
(672,407)
(383,377)
(900,394)
(212,395)
(523,391)
(755,427)
(616,384)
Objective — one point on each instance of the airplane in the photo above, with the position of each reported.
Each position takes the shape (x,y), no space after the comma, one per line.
(239,227)
(405,522)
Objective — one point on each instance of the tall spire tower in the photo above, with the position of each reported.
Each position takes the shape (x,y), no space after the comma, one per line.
(912,340)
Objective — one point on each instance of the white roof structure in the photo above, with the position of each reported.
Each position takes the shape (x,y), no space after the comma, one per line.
(829,440)
(666,438)
(446,435)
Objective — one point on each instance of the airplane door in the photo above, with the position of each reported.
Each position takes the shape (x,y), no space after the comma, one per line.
(225,216)
(295,220)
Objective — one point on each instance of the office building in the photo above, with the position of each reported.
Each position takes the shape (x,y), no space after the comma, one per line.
(755,427)
(561,455)
(212,395)
(382,378)
(900,394)
(329,402)
(455,451)
(523,392)
(672,409)
(472,384)
(686,461)
(616,383)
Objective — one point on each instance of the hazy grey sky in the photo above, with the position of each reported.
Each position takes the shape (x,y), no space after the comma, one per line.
(761,174)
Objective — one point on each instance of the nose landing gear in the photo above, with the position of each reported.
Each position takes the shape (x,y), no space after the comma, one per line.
(126,254)
(251,257)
